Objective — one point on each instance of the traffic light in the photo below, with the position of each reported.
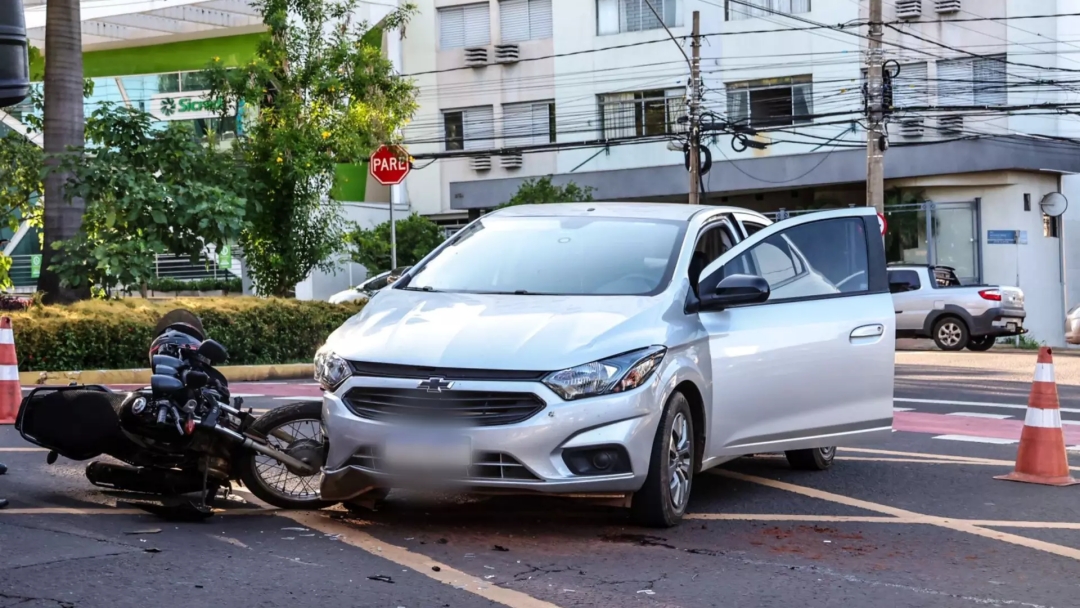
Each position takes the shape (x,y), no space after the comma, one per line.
(14,54)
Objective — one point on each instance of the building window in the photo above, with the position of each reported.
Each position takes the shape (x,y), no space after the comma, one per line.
(617,16)
(642,113)
(771,103)
(528,123)
(469,129)
(464,26)
(966,82)
(735,10)
(521,20)
(1051,226)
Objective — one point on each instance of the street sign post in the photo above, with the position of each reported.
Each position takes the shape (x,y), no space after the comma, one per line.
(390,165)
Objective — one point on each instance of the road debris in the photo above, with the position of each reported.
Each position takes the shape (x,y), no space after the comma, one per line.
(382,578)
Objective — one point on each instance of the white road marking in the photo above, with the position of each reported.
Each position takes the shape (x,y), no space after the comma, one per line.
(903,409)
(974,439)
(1072,422)
(979,415)
(1007,406)
(247,395)
(297,398)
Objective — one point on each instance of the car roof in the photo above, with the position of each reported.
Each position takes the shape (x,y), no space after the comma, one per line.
(661,211)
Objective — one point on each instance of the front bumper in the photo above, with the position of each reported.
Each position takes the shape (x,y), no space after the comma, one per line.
(525,456)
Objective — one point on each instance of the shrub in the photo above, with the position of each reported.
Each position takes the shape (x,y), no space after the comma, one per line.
(227,285)
(116,334)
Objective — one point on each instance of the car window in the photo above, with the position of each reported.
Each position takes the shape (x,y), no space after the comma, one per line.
(375,283)
(555,255)
(714,242)
(751,227)
(905,276)
(822,258)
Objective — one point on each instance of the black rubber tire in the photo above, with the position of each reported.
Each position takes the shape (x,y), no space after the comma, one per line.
(961,327)
(814,459)
(247,472)
(652,506)
(981,344)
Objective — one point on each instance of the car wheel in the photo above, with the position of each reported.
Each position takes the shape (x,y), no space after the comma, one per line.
(816,459)
(981,343)
(951,334)
(661,502)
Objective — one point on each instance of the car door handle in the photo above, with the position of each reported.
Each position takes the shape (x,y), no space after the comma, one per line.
(868,331)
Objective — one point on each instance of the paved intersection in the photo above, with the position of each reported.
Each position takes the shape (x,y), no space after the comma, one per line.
(914,522)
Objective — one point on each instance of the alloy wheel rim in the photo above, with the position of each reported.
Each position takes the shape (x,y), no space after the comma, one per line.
(949,334)
(679,462)
(827,453)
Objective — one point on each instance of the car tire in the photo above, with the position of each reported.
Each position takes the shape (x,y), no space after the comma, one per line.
(658,504)
(951,334)
(981,344)
(815,459)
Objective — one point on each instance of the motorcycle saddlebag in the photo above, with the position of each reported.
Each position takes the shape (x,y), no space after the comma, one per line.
(78,422)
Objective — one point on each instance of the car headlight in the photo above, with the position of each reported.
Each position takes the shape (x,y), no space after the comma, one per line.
(615,375)
(331,370)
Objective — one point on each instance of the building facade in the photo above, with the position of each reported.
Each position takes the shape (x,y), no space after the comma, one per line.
(591,91)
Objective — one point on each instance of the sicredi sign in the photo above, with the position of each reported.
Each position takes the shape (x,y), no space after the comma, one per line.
(188,105)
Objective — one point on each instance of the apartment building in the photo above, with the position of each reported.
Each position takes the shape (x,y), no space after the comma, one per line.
(601,84)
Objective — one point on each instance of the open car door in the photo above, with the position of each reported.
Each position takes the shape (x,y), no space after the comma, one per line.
(812,365)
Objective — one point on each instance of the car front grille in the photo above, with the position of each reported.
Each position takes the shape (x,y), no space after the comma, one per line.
(486,465)
(461,408)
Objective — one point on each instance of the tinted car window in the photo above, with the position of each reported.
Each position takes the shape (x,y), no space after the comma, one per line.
(556,255)
(905,276)
(828,257)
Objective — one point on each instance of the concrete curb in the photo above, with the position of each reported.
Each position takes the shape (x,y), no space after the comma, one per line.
(234,373)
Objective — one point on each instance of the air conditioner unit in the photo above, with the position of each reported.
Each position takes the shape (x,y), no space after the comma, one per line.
(507,53)
(947,6)
(511,160)
(908,9)
(951,125)
(480,163)
(476,57)
(911,127)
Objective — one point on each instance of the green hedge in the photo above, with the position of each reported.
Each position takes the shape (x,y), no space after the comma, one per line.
(116,334)
(231,285)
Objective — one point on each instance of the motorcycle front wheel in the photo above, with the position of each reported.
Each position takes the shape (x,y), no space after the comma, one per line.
(295,429)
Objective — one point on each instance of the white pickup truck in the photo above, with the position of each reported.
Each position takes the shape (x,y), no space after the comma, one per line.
(931,302)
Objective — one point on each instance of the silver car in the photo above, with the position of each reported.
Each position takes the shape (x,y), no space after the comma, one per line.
(613,351)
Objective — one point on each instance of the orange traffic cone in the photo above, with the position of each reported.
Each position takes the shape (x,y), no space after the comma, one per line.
(1041,457)
(10,387)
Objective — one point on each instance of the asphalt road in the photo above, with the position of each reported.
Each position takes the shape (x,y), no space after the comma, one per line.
(916,522)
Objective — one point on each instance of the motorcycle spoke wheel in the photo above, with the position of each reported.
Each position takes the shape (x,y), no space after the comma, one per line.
(275,476)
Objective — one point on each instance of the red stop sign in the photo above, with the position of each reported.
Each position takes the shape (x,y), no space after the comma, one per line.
(390,165)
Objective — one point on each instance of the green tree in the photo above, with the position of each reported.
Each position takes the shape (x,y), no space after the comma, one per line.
(148,191)
(21,187)
(541,191)
(416,235)
(321,94)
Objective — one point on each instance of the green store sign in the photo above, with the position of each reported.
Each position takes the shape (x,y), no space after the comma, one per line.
(172,105)
(185,106)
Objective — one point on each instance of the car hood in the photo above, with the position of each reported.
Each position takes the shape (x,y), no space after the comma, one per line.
(506,332)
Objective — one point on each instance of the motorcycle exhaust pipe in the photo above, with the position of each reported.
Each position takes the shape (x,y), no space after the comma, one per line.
(282,457)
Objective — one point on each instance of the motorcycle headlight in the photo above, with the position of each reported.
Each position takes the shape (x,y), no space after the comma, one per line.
(331,370)
(615,375)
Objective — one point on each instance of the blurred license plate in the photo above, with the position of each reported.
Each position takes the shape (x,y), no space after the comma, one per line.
(427,451)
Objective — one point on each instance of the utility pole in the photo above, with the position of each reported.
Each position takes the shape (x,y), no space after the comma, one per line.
(875,133)
(695,112)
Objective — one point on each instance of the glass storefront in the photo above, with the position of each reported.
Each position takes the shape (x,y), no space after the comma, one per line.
(929,232)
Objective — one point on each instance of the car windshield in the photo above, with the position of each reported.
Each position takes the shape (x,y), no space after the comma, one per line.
(555,256)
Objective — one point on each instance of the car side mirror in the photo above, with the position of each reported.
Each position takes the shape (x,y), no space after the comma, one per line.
(734,290)
(213,352)
(900,286)
(165,385)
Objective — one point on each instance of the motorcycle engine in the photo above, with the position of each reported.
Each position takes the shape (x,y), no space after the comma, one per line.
(157,419)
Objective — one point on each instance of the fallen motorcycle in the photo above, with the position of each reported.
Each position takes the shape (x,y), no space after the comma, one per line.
(181,435)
